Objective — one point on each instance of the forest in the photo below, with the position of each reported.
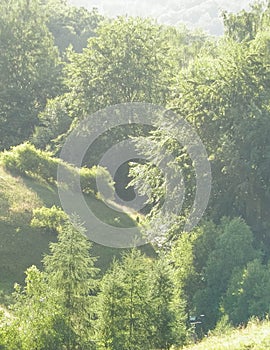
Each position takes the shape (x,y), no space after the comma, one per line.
(67,73)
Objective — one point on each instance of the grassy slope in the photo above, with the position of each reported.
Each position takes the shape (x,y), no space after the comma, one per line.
(256,336)
(22,246)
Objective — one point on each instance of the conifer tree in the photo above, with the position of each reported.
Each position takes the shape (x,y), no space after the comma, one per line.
(71,273)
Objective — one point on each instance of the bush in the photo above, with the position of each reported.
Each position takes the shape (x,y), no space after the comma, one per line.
(89,179)
(50,218)
(26,160)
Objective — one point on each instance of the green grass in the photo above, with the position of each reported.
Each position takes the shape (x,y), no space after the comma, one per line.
(22,246)
(256,336)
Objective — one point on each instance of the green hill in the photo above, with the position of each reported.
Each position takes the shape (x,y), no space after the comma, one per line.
(256,336)
(22,245)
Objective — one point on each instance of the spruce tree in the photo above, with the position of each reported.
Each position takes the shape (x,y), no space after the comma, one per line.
(71,273)
(124,305)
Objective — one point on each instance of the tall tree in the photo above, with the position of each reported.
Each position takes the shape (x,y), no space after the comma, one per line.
(247,294)
(71,273)
(167,315)
(55,308)
(227,99)
(125,305)
(29,68)
(234,249)
(124,63)
(111,326)
(37,316)
(140,306)
(189,256)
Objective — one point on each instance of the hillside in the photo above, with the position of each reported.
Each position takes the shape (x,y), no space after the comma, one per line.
(256,336)
(21,245)
(203,14)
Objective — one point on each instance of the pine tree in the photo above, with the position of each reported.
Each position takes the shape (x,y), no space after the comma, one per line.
(167,307)
(111,310)
(124,316)
(71,273)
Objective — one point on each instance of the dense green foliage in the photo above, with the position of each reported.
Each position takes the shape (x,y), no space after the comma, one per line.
(29,71)
(64,307)
(58,65)
(139,305)
(26,160)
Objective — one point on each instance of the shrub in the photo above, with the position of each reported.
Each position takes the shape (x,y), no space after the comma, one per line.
(50,218)
(89,179)
(26,160)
